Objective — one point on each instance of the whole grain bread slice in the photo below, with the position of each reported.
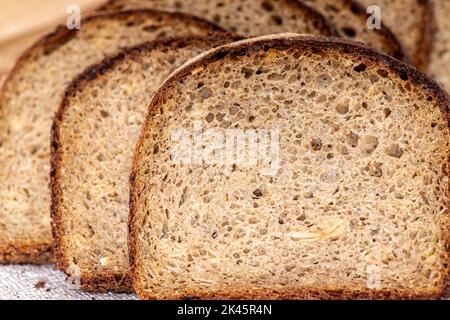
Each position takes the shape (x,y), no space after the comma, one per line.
(355,204)
(32,94)
(412,21)
(94,135)
(440,57)
(245,17)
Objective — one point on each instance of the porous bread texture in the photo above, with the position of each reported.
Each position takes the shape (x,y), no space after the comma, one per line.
(246,17)
(30,97)
(412,22)
(350,18)
(361,195)
(94,135)
(440,56)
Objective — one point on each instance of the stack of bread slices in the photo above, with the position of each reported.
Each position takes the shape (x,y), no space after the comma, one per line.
(234,149)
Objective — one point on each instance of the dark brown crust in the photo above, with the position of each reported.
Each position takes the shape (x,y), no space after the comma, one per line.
(313,294)
(104,281)
(319,21)
(26,254)
(107,282)
(319,45)
(421,59)
(15,252)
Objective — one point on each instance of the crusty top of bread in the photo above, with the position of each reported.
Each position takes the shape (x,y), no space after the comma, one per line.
(412,21)
(245,17)
(30,96)
(363,180)
(97,132)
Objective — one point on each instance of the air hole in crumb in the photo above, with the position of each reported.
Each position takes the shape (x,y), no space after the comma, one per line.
(394,151)
(247,72)
(352,139)
(383,73)
(316,144)
(210,118)
(349,32)
(205,93)
(360,67)
(216,18)
(354,8)
(267,6)
(150,28)
(342,108)
(277,19)
(257,194)
(403,75)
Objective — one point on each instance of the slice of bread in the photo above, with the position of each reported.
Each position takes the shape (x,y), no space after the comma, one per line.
(440,57)
(30,97)
(245,17)
(412,22)
(355,204)
(94,135)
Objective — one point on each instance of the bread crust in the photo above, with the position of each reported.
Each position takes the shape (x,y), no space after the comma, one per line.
(319,45)
(22,253)
(104,281)
(425,45)
(326,28)
(40,253)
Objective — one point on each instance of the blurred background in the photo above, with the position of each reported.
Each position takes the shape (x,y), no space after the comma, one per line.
(22,22)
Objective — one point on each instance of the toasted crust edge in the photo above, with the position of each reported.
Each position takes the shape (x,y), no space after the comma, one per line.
(38,253)
(313,294)
(105,281)
(422,57)
(281,42)
(21,253)
(326,28)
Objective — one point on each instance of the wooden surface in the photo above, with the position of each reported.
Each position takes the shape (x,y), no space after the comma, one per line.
(22,22)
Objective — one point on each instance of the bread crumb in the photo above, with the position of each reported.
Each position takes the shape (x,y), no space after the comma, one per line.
(40,284)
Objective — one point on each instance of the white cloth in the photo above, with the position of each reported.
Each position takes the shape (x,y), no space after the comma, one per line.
(44,283)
